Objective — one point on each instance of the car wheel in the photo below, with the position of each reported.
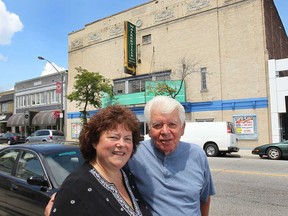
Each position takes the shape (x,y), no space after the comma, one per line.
(211,150)
(274,153)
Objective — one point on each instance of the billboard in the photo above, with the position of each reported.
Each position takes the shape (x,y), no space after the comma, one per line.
(129,48)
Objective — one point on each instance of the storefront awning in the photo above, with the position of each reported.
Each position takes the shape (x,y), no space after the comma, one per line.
(5,117)
(45,118)
(16,120)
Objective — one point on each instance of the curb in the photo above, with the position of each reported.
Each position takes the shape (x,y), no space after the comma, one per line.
(246,153)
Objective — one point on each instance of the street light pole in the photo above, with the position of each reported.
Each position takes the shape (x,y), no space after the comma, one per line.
(61,74)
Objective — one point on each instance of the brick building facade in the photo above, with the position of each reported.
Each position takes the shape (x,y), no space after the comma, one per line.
(229,42)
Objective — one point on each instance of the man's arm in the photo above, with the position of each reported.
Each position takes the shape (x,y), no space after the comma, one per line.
(204,206)
(49,205)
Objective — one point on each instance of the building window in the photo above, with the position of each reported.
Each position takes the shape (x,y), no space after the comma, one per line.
(21,101)
(17,102)
(33,100)
(53,96)
(4,107)
(283,73)
(37,99)
(203,79)
(119,87)
(27,100)
(42,98)
(137,84)
(146,39)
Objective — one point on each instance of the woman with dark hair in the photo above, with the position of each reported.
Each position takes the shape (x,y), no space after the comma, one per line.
(100,186)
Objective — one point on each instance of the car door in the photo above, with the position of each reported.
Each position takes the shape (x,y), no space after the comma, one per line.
(38,136)
(285,149)
(27,199)
(43,136)
(8,160)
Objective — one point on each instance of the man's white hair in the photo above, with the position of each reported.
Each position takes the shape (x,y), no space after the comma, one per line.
(164,105)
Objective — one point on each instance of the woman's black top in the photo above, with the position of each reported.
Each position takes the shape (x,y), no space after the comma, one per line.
(86,192)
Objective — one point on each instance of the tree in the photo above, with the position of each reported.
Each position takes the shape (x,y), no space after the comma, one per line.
(186,68)
(89,88)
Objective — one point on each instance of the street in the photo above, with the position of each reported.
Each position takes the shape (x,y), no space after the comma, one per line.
(249,186)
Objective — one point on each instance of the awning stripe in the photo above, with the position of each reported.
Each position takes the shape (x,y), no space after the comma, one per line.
(16,120)
(44,118)
(41,118)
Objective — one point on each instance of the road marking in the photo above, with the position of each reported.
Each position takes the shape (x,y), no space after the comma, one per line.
(248,172)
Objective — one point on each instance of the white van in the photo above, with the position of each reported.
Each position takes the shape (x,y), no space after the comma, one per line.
(214,137)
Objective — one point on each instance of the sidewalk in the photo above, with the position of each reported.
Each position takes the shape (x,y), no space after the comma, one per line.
(246,153)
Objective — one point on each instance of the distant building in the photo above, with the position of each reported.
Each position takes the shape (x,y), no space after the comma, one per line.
(37,104)
(6,109)
(229,42)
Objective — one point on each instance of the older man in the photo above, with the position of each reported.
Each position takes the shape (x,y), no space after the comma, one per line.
(173,177)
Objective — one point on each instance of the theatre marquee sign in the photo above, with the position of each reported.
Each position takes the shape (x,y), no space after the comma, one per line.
(129,48)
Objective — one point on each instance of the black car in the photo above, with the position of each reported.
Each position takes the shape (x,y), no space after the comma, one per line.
(12,138)
(31,173)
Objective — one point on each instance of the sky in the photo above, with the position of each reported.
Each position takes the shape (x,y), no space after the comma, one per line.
(32,28)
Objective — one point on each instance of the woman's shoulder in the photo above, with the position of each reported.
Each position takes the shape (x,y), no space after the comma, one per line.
(79,176)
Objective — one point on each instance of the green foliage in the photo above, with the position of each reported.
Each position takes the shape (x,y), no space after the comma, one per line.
(162,88)
(186,68)
(88,89)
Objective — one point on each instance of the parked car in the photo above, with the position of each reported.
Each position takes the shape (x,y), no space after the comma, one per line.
(273,151)
(46,135)
(31,173)
(12,138)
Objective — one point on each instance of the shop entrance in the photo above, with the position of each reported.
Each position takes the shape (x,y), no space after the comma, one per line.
(283,117)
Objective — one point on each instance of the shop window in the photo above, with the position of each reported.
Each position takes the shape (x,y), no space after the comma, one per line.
(4,107)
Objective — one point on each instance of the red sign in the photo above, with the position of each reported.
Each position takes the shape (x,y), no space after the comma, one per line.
(56,114)
(58,87)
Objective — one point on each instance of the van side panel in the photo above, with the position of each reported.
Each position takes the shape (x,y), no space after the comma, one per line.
(202,133)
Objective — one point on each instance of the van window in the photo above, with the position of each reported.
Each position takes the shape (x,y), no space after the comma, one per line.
(230,127)
(57,133)
(42,133)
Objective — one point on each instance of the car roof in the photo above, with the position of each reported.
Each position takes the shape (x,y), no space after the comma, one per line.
(46,130)
(44,148)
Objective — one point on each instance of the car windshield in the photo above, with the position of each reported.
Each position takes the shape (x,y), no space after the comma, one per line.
(63,163)
(9,135)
